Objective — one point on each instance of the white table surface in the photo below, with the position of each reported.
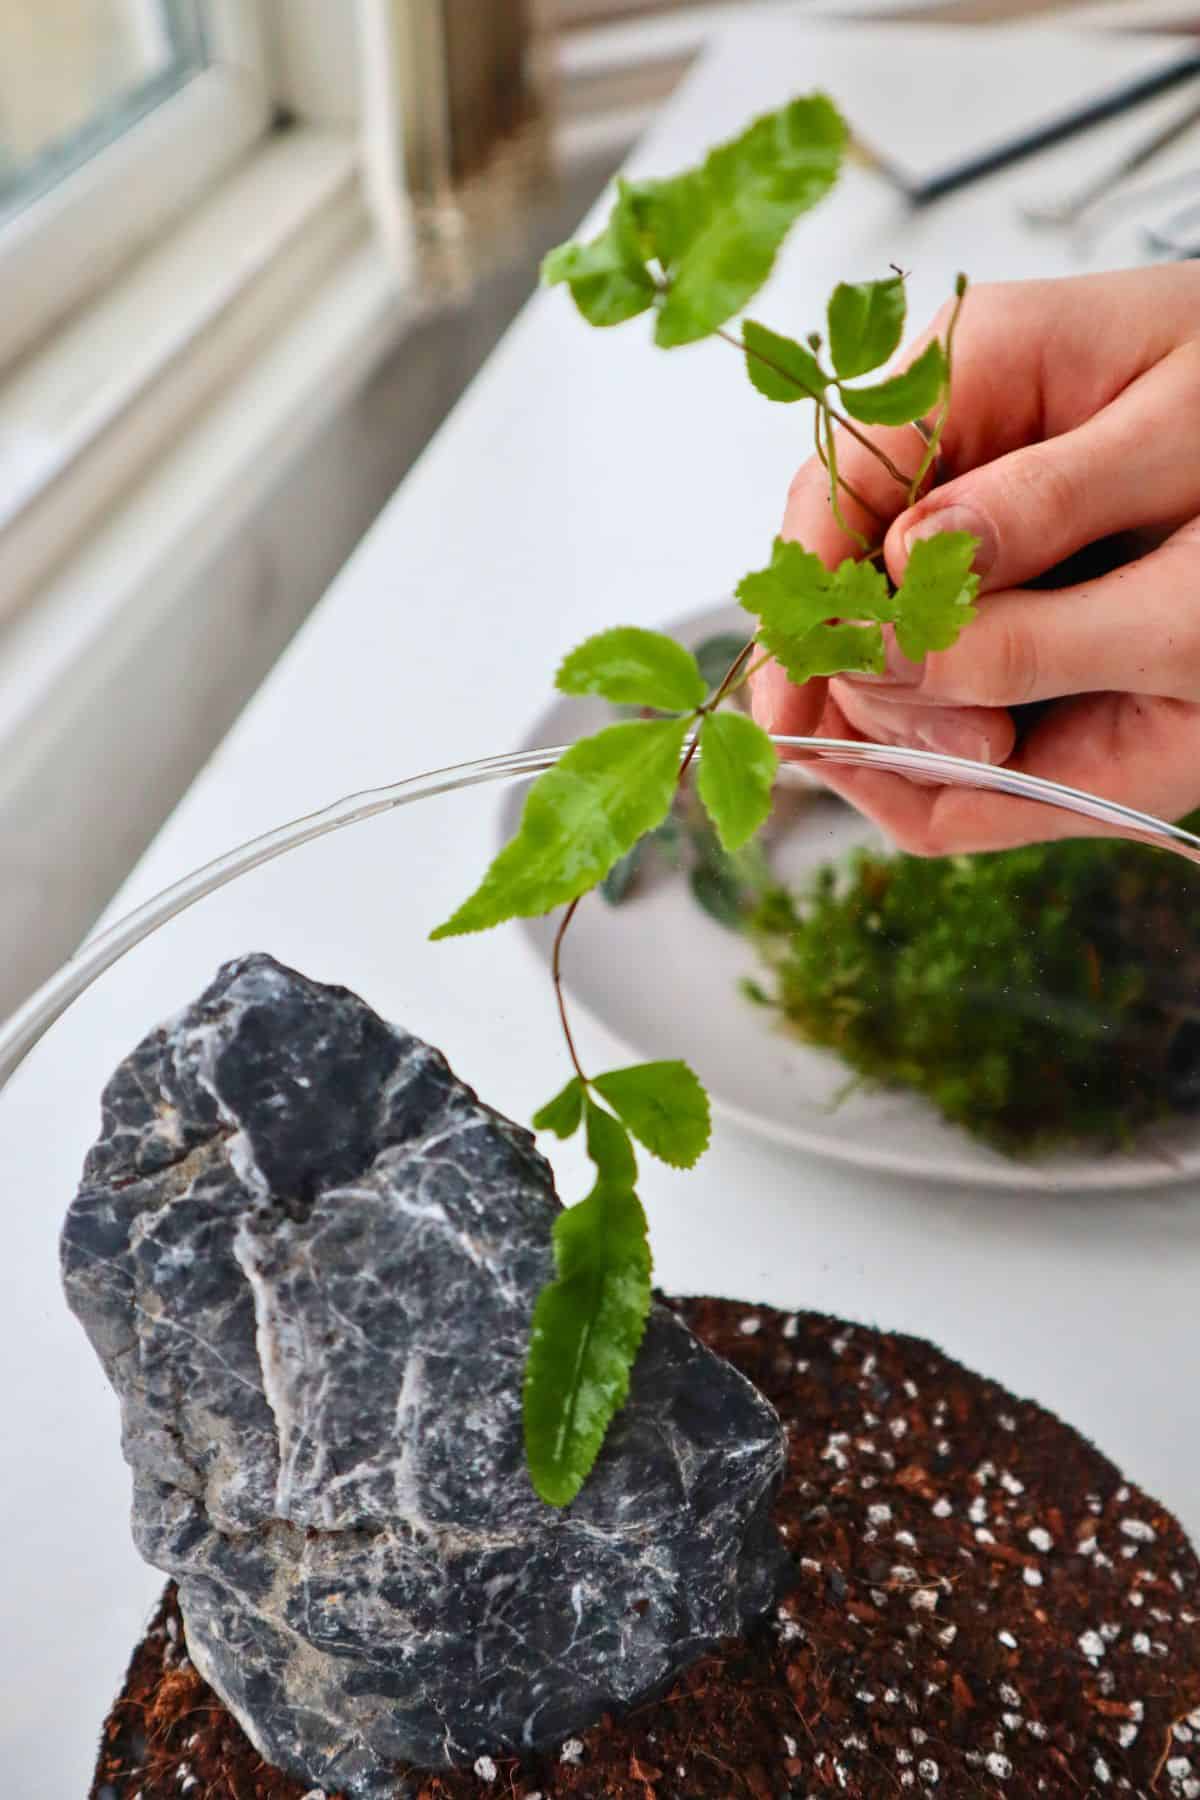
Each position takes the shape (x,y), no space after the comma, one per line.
(584,479)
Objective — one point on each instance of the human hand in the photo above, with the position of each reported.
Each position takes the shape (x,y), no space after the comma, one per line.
(1075,415)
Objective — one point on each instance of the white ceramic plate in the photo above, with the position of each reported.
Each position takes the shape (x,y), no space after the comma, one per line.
(663,976)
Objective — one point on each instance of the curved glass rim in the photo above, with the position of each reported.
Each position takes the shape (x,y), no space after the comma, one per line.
(29,1023)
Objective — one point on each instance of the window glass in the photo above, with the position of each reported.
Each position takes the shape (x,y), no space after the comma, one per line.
(75,74)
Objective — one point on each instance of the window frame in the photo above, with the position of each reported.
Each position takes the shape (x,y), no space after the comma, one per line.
(73,239)
(115,364)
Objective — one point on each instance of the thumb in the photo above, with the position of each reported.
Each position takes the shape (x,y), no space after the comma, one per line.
(1033,508)
(781,707)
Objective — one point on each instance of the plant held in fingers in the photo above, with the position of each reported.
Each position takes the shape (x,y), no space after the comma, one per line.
(692,251)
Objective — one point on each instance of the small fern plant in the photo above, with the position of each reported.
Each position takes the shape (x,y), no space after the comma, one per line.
(692,251)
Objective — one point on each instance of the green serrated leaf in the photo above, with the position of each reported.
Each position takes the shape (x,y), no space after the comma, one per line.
(836,650)
(736,775)
(795,599)
(608,1145)
(717,655)
(936,598)
(608,278)
(587,1329)
(634,667)
(564,1113)
(866,323)
(779,367)
(664,1105)
(715,231)
(904,397)
(580,816)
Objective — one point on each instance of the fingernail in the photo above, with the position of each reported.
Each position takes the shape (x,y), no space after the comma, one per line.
(920,728)
(953,737)
(957,518)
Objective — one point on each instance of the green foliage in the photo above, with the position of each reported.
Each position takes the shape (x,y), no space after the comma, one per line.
(634,667)
(779,367)
(564,1114)
(588,1322)
(936,599)
(904,397)
(1036,996)
(664,1105)
(727,885)
(736,776)
(608,1145)
(608,278)
(694,249)
(587,1329)
(701,244)
(795,597)
(579,818)
(866,322)
(715,231)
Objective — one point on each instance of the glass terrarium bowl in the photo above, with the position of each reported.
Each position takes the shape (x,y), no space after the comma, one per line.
(1040,952)
(1064,1270)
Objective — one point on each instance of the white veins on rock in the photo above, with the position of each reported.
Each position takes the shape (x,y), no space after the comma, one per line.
(307,1255)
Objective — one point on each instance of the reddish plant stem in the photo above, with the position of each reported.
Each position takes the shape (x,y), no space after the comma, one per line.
(727,681)
(556,968)
(846,424)
(689,756)
(853,492)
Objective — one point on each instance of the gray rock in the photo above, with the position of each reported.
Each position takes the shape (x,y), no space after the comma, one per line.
(306,1255)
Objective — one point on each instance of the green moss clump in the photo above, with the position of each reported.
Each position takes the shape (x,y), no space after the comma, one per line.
(1036,997)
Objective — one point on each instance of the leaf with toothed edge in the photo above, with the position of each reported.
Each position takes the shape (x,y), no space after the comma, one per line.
(936,597)
(664,1105)
(634,667)
(588,1326)
(608,1144)
(564,1114)
(580,818)
(904,397)
(736,776)
(866,323)
(698,246)
(804,610)
(608,278)
(780,368)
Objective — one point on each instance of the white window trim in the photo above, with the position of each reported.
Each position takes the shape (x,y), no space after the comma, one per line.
(118,381)
(80,421)
(70,243)
(312,56)
(153,435)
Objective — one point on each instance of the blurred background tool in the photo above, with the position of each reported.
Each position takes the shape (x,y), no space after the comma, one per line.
(1071,210)
(1040,135)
